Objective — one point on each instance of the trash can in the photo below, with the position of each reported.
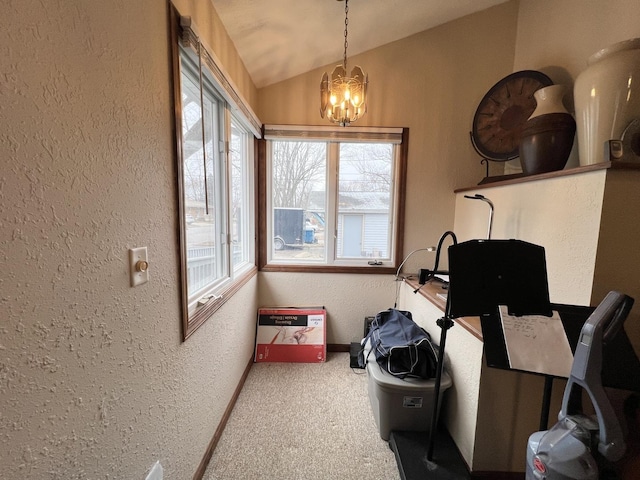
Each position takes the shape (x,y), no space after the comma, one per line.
(308,235)
(402,404)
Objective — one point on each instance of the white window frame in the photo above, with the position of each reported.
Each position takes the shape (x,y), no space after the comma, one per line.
(247,201)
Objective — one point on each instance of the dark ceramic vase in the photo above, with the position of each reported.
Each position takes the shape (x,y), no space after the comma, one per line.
(548,135)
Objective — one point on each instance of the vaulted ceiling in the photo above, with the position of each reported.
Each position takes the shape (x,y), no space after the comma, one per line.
(279,39)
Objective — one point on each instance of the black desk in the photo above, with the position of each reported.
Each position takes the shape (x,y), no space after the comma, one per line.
(621,367)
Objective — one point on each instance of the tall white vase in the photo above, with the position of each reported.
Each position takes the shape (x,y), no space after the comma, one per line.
(607,98)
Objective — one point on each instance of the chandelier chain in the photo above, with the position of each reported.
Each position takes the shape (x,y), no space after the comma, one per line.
(346,32)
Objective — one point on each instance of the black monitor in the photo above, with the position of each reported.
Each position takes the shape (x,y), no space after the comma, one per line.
(486,273)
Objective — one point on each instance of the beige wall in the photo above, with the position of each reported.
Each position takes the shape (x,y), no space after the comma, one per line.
(618,260)
(431,83)
(348,298)
(94,379)
(562,215)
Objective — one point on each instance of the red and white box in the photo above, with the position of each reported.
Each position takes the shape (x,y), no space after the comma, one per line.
(291,334)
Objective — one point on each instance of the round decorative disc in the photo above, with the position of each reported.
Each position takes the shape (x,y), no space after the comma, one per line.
(502,112)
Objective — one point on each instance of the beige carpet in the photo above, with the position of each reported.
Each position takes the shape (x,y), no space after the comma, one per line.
(302,421)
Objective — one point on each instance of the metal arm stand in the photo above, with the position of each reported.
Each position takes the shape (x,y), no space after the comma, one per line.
(445,323)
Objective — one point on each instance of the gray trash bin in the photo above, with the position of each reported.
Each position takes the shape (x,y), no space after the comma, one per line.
(402,404)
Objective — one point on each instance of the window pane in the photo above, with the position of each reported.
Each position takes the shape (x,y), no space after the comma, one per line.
(365,189)
(240,227)
(345,187)
(299,201)
(199,226)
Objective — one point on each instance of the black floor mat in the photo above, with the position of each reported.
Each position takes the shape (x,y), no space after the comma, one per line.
(410,449)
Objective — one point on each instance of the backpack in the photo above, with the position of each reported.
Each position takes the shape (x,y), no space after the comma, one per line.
(400,346)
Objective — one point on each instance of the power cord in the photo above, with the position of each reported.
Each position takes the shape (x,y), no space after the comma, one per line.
(427,249)
(432,273)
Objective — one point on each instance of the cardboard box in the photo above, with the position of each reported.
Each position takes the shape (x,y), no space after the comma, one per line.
(291,334)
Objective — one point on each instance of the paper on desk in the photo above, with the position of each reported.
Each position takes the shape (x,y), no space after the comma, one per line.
(536,343)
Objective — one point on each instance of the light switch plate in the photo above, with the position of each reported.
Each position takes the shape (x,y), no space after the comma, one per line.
(139,272)
(156,472)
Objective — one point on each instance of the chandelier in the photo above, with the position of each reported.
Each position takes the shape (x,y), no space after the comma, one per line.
(343,98)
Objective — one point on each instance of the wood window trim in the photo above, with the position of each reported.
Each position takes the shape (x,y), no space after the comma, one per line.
(200,316)
(261,231)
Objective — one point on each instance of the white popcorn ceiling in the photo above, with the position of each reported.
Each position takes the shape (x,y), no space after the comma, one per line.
(280,39)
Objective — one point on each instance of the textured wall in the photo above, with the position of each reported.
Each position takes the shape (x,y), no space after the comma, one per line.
(348,298)
(618,260)
(561,214)
(94,379)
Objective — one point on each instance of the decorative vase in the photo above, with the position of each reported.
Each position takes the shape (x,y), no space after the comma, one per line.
(548,134)
(607,98)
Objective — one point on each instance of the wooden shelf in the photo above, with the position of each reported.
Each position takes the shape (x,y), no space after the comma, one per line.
(521,178)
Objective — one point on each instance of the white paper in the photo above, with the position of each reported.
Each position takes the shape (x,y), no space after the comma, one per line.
(536,343)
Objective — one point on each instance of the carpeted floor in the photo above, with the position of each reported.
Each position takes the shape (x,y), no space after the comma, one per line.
(302,421)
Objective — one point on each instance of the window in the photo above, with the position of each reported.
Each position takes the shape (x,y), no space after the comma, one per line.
(215,182)
(203,186)
(333,198)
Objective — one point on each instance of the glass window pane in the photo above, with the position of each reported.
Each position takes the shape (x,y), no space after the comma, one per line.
(299,199)
(365,186)
(199,227)
(239,195)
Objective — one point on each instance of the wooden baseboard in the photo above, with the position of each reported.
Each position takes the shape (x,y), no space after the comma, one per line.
(337,347)
(204,463)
